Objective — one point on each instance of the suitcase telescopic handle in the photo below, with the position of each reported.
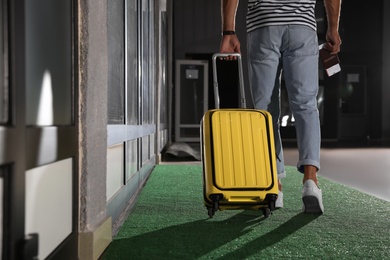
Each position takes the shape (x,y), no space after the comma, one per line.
(240,78)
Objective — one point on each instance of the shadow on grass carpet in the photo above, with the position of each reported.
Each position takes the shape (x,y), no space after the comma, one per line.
(169,221)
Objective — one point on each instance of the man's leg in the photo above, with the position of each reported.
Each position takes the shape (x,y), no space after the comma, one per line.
(301,71)
(310,173)
(300,63)
(264,63)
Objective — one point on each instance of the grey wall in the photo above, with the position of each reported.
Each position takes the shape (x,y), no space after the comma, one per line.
(93,113)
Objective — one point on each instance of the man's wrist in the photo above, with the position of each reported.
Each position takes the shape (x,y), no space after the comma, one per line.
(228,33)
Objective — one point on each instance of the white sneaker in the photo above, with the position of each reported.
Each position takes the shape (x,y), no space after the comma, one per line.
(279,200)
(312,198)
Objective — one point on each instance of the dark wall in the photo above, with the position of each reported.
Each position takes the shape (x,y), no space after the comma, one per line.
(197,35)
(361,31)
(386,72)
(197,28)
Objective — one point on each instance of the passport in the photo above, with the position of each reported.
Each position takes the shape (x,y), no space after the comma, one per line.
(330,62)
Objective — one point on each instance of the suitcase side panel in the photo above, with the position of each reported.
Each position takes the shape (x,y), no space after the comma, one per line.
(242,150)
(207,158)
(238,197)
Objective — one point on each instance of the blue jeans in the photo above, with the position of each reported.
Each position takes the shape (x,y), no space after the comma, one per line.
(293,49)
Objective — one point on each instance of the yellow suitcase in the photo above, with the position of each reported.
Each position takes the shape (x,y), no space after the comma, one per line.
(238,156)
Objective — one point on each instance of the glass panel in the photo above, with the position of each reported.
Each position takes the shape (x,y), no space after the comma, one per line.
(1,212)
(49,62)
(132,158)
(132,64)
(152,85)
(163,67)
(4,96)
(115,170)
(145,149)
(116,51)
(152,145)
(49,204)
(145,62)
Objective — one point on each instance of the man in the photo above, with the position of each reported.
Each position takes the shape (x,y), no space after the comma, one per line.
(281,35)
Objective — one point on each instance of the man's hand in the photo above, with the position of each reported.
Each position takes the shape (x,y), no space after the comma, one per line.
(333,42)
(230,44)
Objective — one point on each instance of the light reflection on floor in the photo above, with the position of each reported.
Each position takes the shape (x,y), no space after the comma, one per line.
(366,169)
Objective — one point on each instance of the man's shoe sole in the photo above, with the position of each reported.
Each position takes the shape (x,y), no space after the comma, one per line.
(311,205)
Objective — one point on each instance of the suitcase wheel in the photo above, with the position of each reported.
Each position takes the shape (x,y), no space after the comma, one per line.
(266,211)
(211,212)
(272,206)
(215,198)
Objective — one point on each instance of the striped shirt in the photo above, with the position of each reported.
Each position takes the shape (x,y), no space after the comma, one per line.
(280,12)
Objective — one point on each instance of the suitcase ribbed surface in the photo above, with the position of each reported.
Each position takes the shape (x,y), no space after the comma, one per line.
(241,150)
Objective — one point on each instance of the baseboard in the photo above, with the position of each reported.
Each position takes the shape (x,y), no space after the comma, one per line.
(93,244)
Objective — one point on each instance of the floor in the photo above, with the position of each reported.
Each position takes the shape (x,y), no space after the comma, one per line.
(366,169)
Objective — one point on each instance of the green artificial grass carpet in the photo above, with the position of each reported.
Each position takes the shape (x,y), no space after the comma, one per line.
(170,221)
